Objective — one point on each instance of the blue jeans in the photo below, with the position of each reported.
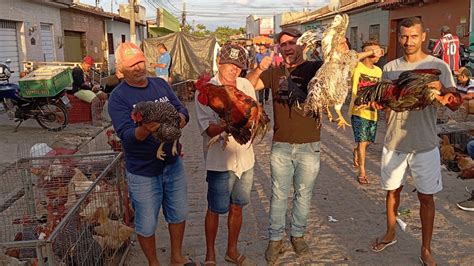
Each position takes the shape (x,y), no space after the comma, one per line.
(470,148)
(224,187)
(294,165)
(149,193)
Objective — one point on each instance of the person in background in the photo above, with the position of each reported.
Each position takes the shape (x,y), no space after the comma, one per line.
(113,81)
(262,52)
(364,119)
(163,64)
(85,89)
(447,48)
(465,86)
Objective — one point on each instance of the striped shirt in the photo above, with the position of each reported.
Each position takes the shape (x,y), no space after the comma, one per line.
(447,48)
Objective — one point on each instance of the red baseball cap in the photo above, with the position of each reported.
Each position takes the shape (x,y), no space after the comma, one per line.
(88,60)
(128,54)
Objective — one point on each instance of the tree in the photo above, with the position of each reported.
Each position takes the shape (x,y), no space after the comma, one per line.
(223,33)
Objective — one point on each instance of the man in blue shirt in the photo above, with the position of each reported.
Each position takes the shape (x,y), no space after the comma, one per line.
(152,183)
(163,64)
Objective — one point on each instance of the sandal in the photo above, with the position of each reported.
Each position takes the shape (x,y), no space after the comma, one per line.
(240,260)
(379,246)
(363,180)
(210,262)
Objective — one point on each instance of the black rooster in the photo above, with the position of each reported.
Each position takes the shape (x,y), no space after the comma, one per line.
(169,119)
(409,92)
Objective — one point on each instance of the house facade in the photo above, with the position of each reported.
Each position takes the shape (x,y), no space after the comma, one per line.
(435,14)
(31,30)
(84,33)
(118,31)
(165,23)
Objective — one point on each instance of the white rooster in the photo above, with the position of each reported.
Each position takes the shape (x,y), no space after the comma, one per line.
(331,83)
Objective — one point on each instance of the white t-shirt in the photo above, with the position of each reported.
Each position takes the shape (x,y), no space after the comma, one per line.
(235,157)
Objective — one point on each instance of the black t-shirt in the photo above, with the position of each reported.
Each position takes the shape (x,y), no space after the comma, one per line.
(291,125)
(78,82)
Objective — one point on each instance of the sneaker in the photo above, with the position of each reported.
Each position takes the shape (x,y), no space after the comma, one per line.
(274,251)
(299,245)
(467,205)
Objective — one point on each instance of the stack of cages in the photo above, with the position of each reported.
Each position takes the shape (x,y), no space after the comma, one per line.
(65,210)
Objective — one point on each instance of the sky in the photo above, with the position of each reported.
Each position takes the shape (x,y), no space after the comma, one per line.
(215,13)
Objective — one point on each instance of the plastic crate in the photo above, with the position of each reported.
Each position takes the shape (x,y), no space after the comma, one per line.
(45,82)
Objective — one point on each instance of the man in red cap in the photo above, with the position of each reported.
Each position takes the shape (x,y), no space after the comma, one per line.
(152,183)
(85,89)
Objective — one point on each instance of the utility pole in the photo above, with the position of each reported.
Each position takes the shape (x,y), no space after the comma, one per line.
(133,35)
(183,17)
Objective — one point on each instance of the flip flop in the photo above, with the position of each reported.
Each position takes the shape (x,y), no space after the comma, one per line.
(240,260)
(383,246)
(422,261)
(363,180)
(190,262)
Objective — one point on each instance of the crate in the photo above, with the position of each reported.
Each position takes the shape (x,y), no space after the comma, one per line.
(45,82)
(80,111)
(65,210)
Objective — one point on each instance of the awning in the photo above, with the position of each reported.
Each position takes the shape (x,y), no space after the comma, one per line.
(262,39)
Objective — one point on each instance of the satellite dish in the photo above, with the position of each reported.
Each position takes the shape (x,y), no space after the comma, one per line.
(334,5)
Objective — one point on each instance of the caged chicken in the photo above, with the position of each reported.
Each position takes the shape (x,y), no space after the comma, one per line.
(331,83)
(244,118)
(409,92)
(169,119)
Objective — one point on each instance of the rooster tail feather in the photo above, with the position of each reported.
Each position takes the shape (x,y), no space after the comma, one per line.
(241,135)
(373,93)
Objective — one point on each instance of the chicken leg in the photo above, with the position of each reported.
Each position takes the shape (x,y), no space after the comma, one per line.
(341,122)
(330,117)
(160,154)
(174,149)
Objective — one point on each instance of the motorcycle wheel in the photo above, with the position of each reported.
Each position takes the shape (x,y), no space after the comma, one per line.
(52,116)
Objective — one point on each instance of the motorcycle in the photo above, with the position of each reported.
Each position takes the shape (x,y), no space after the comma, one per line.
(49,112)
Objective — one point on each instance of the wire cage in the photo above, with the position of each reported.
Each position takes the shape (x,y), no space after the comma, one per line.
(184,90)
(65,210)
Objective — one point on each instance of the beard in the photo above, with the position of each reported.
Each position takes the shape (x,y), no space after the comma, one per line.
(293,59)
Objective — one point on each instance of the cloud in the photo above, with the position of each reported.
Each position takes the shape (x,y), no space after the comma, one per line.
(239,2)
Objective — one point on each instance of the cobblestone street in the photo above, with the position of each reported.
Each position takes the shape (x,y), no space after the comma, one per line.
(360,211)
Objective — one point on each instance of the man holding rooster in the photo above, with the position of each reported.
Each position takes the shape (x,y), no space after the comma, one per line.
(229,164)
(411,141)
(295,154)
(152,183)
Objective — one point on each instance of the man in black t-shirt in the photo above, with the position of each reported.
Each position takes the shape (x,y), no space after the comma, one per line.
(295,155)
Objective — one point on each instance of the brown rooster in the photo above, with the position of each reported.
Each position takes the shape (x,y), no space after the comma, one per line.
(243,116)
(409,92)
(169,119)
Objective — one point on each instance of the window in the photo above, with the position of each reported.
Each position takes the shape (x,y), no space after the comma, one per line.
(110,42)
(123,38)
(374,33)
